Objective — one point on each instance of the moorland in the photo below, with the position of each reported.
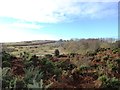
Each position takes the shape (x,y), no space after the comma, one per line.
(62,64)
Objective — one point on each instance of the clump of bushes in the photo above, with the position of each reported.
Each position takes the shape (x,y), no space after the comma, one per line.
(56,52)
(109,82)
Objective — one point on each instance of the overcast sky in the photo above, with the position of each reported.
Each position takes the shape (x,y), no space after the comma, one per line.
(22,20)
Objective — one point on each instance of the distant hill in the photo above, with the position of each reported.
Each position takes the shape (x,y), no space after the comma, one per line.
(29,43)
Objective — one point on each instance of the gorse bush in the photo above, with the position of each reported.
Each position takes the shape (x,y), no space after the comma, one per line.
(6,59)
(48,56)
(6,64)
(84,67)
(65,65)
(35,60)
(25,56)
(6,56)
(6,77)
(109,82)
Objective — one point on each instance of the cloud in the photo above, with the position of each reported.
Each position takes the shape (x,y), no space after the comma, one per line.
(21,26)
(53,11)
(8,35)
(21,32)
(96,0)
(98,9)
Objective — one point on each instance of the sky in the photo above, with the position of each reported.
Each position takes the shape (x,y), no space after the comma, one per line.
(24,20)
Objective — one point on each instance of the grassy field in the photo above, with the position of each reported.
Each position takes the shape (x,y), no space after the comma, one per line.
(38,49)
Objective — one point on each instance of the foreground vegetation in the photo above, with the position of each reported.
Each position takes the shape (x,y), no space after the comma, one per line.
(98,67)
